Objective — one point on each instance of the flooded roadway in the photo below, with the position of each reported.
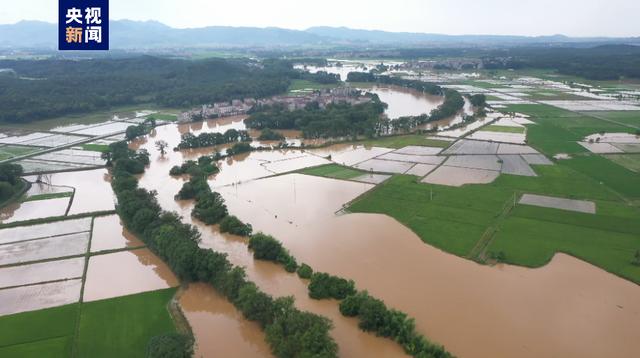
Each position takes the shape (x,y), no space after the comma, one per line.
(568,308)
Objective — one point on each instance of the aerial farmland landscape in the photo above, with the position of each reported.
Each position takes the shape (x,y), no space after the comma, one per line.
(290,182)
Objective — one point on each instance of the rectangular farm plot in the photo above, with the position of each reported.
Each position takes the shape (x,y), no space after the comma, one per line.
(421,169)
(505,137)
(35,166)
(628,148)
(287,165)
(464,146)
(457,176)
(358,155)
(34,210)
(384,166)
(54,140)
(124,273)
(515,165)
(600,148)
(42,249)
(109,234)
(423,159)
(488,162)
(516,149)
(629,161)
(536,159)
(104,129)
(418,150)
(36,297)
(41,272)
(372,178)
(583,206)
(21,233)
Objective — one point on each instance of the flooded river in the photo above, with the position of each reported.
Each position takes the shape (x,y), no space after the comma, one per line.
(565,309)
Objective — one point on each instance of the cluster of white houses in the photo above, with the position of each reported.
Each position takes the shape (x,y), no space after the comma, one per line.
(239,107)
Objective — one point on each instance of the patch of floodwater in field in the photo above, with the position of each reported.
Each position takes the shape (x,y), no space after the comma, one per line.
(349,154)
(42,249)
(109,234)
(219,328)
(41,272)
(37,297)
(92,189)
(21,233)
(36,209)
(124,273)
(567,308)
(405,101)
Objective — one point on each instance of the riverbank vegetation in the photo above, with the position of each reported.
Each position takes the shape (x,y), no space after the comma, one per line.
(290,332)
(374,316)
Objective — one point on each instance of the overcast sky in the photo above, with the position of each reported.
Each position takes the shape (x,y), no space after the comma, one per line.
(500,17)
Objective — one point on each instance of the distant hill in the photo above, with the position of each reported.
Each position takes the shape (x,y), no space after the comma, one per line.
(126,34)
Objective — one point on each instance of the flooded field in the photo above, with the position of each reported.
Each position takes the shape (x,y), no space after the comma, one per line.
(36,209)
(124,273)
(22,233)
(36,297)
(574,308)
(41,249)
(92,189)
(109,234)
(41,272)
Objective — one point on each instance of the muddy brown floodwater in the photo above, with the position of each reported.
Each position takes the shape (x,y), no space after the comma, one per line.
(405,101)
(219,328)
(566,309)
(109,234)
(125,273)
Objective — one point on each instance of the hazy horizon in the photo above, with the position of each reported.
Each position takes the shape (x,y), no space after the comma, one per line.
(589,18)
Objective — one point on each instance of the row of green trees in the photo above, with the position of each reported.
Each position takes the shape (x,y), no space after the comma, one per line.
(374,316)
(265,247)
(289,331)
(270,134)
(206,139)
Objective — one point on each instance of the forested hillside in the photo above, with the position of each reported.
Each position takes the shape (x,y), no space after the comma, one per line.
(36,90)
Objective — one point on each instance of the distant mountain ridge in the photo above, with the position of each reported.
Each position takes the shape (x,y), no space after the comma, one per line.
(127,34)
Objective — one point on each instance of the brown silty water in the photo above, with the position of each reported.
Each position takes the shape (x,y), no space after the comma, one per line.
(568,308)
(405,101)
(109,234)
(124,273)
(219,328)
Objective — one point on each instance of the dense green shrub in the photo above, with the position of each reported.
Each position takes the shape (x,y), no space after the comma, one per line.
(269,134)
(233,225)
(267,248)
(323,285)
(209,208)
(374,316)
(305,271)
(170,345)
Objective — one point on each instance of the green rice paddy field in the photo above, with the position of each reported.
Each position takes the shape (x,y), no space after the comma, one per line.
(118,327)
